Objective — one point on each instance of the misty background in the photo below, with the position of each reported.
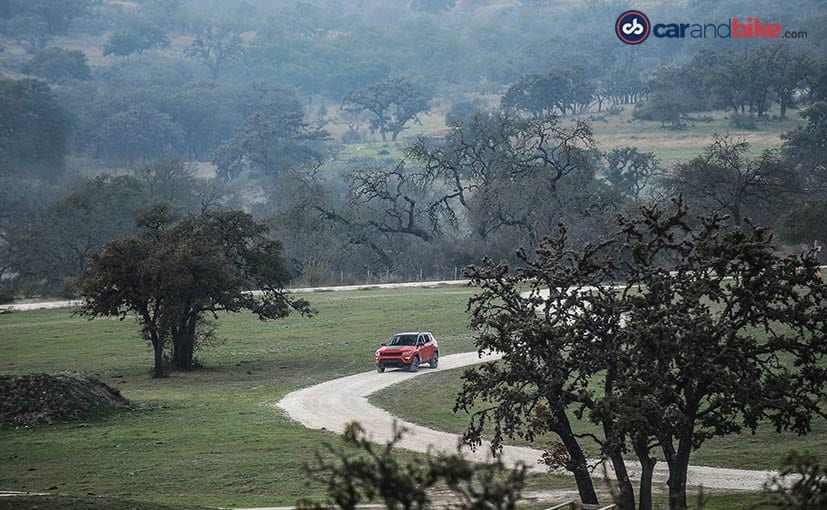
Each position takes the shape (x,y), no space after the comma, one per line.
(395,139)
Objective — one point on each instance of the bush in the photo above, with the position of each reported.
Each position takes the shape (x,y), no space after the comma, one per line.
(6,296)
(742,121)
(58,64)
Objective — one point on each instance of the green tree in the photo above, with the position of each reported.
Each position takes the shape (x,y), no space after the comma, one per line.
(665,335)
(33,129)
(727,179)
(376,472)
(270,140)
(138,133)
(89,214)
(173,276)
(56,64)
(560,90)
(502,160)
(215,49)
(801,485)
(805,148)
(136,39)
(804,223)
(394,102)
(631,171)
(59,14)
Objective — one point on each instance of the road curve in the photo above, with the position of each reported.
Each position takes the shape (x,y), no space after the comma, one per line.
(333,404)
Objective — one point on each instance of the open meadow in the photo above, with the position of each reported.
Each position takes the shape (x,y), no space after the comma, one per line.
(211,438)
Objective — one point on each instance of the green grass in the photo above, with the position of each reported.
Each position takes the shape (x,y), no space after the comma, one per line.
(213,440)
(763,450)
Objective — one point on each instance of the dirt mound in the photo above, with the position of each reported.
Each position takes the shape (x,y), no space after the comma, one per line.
(49,398)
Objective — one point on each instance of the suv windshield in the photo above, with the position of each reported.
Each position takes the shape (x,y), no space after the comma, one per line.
(402,340)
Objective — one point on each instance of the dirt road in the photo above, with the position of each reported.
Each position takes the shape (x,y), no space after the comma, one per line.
(333,404)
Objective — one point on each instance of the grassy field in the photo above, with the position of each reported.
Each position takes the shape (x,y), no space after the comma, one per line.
(610,132)
(213,439)
(762,450)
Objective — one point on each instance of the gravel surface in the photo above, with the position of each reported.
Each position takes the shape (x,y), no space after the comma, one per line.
(333,404)
(71,303)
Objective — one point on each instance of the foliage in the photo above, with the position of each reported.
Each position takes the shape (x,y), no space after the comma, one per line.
(726,179)
(393,102)
(33,129)
(805,149)
(56,64)
(56,240)
(561,90)
(215,49)
(801,484)
(805,223)
(271,140)
(58,14)
(501,160)
(137,133)
(631,171)
(171,277)
(376,472)
(634,357)
(136,39)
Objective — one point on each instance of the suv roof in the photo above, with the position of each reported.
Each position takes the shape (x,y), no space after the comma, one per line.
(414,333)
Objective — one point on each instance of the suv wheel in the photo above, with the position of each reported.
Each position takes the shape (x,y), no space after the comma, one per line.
(435,360)
(380,368)
(414,364)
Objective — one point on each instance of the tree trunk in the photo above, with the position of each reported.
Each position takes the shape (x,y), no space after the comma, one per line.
(783,105)
(626,497)
(184,344)
(647,467)
(158,348)
(678,472)
(577,463)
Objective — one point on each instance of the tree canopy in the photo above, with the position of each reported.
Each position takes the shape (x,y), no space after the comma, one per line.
(394,103)
(174,277)
(673,331)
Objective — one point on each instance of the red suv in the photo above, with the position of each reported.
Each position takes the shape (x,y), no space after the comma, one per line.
(407,350)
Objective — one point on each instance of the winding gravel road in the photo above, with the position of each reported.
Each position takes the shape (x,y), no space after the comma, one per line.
(333,404)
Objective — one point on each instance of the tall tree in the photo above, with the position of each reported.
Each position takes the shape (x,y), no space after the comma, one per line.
(726,178)
(271,140)
(501,160)
(631,171)
(139,132)
(394,102)
(33,129)
(174,277)
(216,49)
(135,39)
(670,333)
(562,91)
